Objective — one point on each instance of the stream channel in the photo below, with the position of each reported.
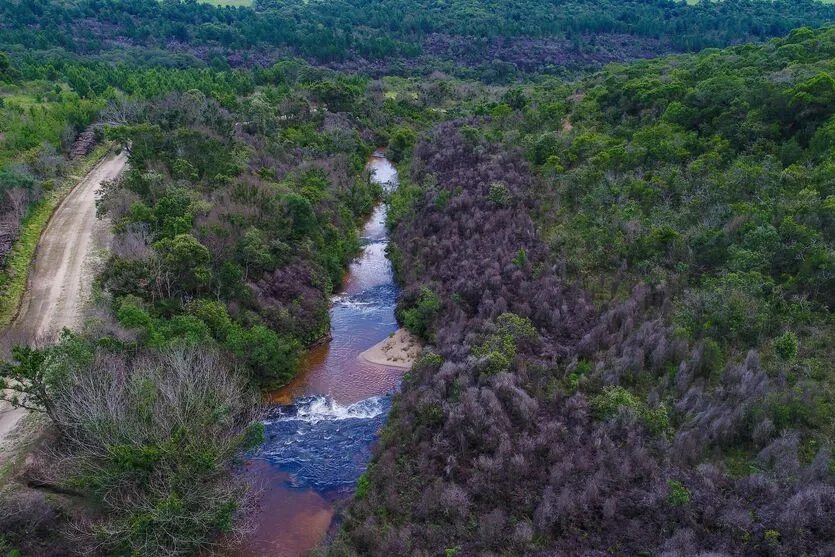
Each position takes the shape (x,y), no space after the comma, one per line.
(320,428)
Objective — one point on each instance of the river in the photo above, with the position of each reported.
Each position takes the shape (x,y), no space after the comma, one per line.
(320,428)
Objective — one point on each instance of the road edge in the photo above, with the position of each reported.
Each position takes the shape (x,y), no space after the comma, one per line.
(5,326)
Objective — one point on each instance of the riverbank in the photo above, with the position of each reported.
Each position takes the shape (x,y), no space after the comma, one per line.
(399,350)
(320,428)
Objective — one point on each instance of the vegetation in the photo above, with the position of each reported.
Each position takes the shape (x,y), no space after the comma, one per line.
(236,234)
(16,262)
(673,393)
(257,169)
(493,40)
(150,438)
(229,2)
(233,225)
(41,146)
(626,281)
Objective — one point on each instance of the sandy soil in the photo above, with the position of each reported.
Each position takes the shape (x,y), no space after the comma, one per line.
(62,272)
(399,350)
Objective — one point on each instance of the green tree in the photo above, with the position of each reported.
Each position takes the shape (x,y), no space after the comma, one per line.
(271,357)
(302,216)
(254,252)
(786,346)
(188,260)
(400,143)
(420,317)
(34,376)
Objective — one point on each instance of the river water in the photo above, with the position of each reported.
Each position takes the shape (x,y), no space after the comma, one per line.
(320,428)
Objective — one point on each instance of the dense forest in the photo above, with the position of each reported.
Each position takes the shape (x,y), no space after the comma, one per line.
(491,40)
(268,195)
(627,283)
(623,276)
(233,225)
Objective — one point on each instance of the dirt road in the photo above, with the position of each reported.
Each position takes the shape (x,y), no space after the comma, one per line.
(61,275)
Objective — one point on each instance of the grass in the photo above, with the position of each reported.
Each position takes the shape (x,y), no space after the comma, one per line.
(13,281)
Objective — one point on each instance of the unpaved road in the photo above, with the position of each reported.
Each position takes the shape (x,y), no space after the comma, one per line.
(61,275)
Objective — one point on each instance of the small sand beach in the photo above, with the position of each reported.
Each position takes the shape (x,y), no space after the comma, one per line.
(399,350)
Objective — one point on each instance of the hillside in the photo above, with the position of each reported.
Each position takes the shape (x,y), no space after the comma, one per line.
(628,285)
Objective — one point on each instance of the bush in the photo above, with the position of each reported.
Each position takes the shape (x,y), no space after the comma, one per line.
(678,495)
(786,346)
(499,195)
(493,363)
(152,441)
(420,318)
(271,357)
(613,400)
(510,330)
(402,140)
(733,308)
(363,485)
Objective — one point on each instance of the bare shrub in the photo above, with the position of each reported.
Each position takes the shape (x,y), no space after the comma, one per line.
(152,441)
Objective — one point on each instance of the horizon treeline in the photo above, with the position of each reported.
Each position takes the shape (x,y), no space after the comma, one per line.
(492,41)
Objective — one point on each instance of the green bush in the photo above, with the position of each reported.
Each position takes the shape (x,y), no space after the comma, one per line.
(499,195)
(400,143)
(429,359)
(678,495)
(273,358)
(363,486)
(493,363)
(734,308)
(152,445)
(420,318)
(611,402)
(510,330)
(786,346)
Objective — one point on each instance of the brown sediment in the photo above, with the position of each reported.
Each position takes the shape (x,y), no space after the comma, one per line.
(297,519)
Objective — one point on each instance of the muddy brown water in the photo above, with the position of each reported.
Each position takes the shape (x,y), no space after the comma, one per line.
(321,426)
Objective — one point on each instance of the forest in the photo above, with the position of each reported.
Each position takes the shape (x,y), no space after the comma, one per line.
(489,40)
(232,228)
(614,233)
(627,283)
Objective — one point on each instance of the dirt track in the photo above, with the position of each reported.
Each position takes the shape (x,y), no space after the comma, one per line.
(61,274)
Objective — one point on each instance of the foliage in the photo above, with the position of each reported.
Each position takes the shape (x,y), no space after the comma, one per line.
(675,227)
(679,495)
(400,143)
(16,263)
(499,194)
(510,329)
(153,440)
(419,316)
(231,238)
(786,346)
(34,377)
(613,400)
(538,34)
(598,264)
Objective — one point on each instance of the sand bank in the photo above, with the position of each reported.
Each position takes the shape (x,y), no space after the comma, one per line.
(399,350)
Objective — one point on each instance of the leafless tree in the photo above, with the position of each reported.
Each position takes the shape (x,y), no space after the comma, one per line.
(173,407)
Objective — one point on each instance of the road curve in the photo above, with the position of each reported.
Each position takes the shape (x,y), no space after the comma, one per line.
(60,277)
